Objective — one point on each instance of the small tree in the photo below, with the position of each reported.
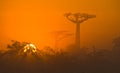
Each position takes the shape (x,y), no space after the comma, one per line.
(116,47)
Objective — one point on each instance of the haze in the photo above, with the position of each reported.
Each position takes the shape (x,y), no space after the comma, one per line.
(35,20)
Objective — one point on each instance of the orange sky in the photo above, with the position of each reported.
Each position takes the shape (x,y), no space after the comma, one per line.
(34,20)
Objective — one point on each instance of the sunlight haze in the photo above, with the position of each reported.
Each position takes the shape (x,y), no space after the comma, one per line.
(35,20)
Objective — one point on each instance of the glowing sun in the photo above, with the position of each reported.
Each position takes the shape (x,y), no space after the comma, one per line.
(29,48)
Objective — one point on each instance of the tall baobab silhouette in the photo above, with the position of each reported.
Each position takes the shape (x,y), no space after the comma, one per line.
(78,18)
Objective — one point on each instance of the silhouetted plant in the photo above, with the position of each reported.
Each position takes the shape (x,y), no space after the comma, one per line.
(116,49)
(15,47)
(51,61)
(78,18)
(60,35)
(116,43)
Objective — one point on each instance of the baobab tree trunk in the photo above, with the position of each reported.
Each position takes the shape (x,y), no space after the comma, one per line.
(78,18)
(77,39)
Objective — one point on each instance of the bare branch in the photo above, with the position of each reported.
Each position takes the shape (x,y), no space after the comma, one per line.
(68,16)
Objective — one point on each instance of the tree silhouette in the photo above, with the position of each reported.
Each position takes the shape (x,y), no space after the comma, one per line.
(60,35)
(14,48)
(116,42)
(116,46)
(17,50)
(78,18)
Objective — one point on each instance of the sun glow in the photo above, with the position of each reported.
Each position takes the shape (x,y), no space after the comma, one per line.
(30,48)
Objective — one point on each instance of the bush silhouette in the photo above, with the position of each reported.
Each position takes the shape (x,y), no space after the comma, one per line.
(50,61)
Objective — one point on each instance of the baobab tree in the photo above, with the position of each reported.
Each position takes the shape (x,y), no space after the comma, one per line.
(78,18)
(60,35)
(116,45)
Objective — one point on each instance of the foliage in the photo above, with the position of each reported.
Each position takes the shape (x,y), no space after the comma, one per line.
(51,61)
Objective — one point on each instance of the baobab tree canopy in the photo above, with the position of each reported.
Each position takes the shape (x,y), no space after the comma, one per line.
(78,17)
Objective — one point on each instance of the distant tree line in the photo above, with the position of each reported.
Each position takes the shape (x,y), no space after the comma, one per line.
(50,61)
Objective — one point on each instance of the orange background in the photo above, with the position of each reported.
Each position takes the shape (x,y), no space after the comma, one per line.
(35,20)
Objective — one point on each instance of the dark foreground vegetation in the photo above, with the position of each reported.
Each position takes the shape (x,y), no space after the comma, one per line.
(14,60)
